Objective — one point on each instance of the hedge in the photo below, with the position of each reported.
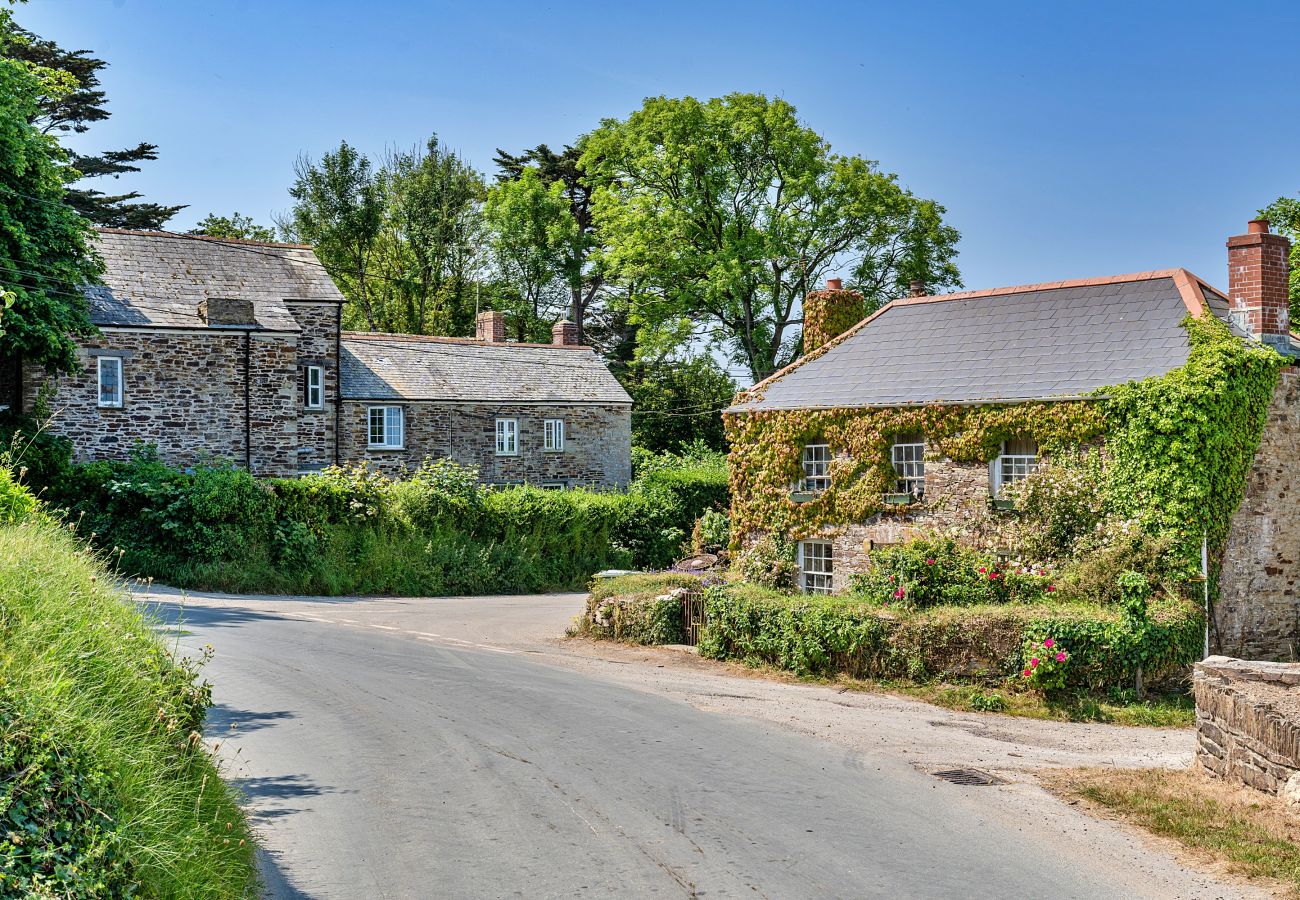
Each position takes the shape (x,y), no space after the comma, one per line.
(634,609)
(353,531)
(830,635)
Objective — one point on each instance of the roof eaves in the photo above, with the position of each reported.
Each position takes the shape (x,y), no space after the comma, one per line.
(102,229)
(907,404)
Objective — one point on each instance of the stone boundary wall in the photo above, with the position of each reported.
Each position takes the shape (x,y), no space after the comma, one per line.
(1248,723)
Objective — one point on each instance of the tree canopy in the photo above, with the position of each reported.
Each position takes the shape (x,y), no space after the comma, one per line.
(45,255)
(728,211)
(1284,215)
(233,226)
(74,107)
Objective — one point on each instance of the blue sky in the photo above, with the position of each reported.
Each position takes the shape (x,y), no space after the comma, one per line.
(1066,139)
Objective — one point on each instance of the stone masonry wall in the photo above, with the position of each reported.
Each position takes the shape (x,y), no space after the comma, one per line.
(184,393)
(1258,612)
(317,346)
(597,442)
(1248,723)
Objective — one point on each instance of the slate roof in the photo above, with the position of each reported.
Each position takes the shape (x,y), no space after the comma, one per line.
(156,279)
(405,367)
(1047,341)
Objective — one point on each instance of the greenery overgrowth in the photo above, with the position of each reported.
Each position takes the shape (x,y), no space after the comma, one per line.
(106,788)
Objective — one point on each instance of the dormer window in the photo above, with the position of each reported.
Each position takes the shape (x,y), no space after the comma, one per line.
(1017,461)
(816,468)
(908,457)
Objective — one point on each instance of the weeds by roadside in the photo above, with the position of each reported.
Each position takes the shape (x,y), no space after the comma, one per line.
(1245,831)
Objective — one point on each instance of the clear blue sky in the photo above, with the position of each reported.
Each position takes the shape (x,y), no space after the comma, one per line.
(1065,139)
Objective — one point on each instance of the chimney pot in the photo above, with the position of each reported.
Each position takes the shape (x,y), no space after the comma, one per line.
(1258,226)
(834,284)
(917,288)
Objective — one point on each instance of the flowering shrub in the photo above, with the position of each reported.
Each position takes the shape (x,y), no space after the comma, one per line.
(939,571)
(1045,665)
(1059,504)
(770,563)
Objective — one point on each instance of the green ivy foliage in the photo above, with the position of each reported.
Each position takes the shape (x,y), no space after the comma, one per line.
(1180,446)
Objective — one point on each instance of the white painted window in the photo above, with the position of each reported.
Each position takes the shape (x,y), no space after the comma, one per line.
(908,456)
(1017,461)
(313,387)
(387,428)
(507,437)
(816,567)
(553,435)
(553,485)
(110,381)
(816,468)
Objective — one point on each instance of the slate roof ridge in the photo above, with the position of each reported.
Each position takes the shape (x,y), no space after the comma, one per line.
(274,245)
(1190,288)
(460,341)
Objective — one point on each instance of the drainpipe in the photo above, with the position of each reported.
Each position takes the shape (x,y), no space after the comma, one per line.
(338,378)
(248,425)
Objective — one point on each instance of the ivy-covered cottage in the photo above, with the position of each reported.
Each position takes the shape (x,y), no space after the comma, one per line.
(225,350)
(918,418)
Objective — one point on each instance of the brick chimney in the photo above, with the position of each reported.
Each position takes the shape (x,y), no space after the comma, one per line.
(1257,284)
(828,314)
(491,327)
(564,333)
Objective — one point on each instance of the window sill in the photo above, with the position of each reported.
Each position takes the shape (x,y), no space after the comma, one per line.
(383,448)
(553,451)
(112,406)
(507,455)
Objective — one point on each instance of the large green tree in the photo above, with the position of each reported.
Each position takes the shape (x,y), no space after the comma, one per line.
(580,263)
(677,401)
(729,211)
(532,233)
(45,255)
(1284,215)
(233,226)
(74,110)
(338,209)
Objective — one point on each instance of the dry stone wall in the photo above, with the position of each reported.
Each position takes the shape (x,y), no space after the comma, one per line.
(1248,723)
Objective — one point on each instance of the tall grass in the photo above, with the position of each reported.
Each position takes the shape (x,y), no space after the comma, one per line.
(82,672)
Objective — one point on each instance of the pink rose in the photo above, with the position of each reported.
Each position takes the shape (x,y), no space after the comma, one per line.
(1026,673)
(929,562)
(1050,588)
(1060,657)
(1033,663)
(899,594)
(1049,643)
(982,570)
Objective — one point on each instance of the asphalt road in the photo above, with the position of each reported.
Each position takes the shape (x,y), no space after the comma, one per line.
(394,749)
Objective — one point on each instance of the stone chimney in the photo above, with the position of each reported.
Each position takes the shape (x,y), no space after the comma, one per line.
(917,289)
(491,327)
(227,311)
(828,314)
(1257,284)
(564,333)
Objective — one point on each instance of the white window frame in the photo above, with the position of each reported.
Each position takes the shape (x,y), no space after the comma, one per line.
(116,400)
(507,437)
(816,567)
(392,427)
(313,387)
(553,486)
(908,458)
(816,462)
(1008,468)
(553,435)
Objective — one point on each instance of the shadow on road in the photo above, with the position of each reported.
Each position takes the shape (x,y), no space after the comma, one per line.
(223,719)
(275,884)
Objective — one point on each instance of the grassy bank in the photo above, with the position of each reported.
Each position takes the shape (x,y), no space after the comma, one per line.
(1240,830)
(106,789)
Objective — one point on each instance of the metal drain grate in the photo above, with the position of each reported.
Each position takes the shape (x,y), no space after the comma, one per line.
(965,776)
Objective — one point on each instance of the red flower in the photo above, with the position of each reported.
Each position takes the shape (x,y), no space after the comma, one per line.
(929,562)
(1049,643)
(1060,657)
(1050,588)
(1033,663)
(982,570)
(1026,673)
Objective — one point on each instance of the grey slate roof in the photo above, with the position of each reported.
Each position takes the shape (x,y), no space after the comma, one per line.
(156,279)
(402,367)
(1041,342)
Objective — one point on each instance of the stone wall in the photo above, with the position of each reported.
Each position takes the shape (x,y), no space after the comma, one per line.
(183,391)
(1258,612)
(317,346)
(597,442)
(1248,723)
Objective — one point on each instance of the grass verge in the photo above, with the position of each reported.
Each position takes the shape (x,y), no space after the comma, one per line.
(106,788)
(1243,831)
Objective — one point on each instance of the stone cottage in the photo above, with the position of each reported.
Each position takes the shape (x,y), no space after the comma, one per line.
(227,350)
(1041,346)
